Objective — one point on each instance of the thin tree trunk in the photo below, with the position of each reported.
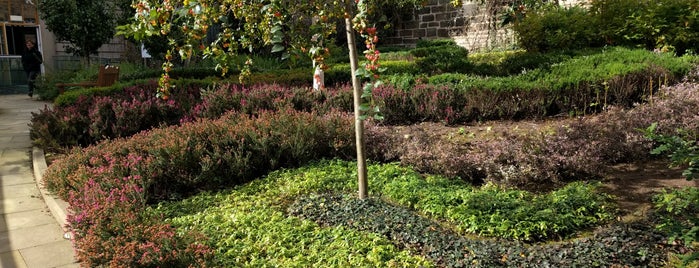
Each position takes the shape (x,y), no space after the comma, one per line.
(358,123)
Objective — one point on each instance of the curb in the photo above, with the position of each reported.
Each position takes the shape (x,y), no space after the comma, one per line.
(57,206)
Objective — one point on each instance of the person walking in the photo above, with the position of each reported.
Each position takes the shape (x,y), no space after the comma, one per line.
(31,62)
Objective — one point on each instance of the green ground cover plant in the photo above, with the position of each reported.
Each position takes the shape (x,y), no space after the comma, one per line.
(256,216)
(678,218)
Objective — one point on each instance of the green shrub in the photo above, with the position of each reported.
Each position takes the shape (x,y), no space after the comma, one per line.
(440,42)
(405,81)
(611,18)
(341,74)
(557,28)
(46,84)
(186,72)
(441,56)
(665,24)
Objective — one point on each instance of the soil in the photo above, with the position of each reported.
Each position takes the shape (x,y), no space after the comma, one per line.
(633,185)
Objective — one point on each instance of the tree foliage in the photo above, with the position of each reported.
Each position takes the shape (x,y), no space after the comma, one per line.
(85,24)
(288,27)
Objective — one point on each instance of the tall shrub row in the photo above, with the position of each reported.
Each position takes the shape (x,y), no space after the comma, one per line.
(207,154)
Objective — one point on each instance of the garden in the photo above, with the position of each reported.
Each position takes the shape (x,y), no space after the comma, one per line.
(512,158)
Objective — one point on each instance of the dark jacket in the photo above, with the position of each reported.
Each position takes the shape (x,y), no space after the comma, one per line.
(31,60)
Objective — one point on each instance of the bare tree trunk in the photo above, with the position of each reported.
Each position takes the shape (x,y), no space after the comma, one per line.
(358,123)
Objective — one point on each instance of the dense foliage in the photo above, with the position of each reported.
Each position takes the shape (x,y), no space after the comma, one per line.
(573,85)
(667,25)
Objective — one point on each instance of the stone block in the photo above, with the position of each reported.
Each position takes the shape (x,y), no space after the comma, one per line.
(431,32)
(443,33)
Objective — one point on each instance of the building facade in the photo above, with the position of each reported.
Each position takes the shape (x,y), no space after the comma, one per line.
(20,21)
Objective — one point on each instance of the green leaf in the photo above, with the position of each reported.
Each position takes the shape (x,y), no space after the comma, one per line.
(277,48)
(367,88)
(364,107)
(360,72)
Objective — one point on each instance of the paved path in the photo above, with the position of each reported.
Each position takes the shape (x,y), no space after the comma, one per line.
(30,234)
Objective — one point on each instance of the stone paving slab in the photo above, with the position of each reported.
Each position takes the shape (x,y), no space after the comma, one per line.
(14,179)
(59,253)
(30,218)
(19,204)
(12,259)
(30,235)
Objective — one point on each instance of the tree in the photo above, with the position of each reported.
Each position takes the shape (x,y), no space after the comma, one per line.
(289,27)
(85,24)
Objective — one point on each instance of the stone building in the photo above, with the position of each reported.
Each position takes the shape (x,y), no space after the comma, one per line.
(471,25)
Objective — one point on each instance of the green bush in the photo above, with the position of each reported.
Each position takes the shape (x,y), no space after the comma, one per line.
(665,24)
(611,18)
(341,74)
(441,56)
(557,28)
(669,25)
(440,42)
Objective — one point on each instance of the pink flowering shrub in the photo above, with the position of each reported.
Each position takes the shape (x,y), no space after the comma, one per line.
(110,229)
(91,119)
(207,154)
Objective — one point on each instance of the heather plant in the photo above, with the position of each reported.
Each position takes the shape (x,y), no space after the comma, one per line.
(542,160)
(92,118)
(109,228)
(180,160)
(622,77)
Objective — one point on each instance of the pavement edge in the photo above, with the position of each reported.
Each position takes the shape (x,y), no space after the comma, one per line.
(57,206)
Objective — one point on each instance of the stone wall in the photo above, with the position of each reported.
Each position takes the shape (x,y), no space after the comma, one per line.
(468,25)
